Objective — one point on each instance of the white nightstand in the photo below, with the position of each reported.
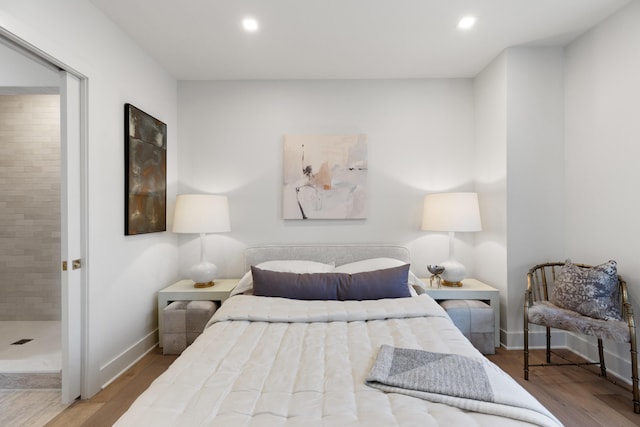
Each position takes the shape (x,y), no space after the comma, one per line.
(470,289)
(184,291)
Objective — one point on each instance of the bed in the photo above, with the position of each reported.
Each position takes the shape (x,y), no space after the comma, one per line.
(306,340)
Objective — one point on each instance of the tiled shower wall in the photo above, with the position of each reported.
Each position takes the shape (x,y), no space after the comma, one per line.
(29,207)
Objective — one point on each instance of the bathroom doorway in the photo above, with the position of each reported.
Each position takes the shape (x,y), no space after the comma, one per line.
(31,73)
(30,301)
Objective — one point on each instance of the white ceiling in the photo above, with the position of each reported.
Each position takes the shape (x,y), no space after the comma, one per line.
(345,39)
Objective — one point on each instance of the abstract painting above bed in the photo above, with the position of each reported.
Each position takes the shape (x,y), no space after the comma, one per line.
(324,177)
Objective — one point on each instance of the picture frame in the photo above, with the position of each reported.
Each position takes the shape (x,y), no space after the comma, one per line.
(145,172)
(325,177)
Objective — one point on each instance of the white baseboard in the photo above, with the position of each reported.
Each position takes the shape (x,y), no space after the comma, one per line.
(537,339)
(110,371)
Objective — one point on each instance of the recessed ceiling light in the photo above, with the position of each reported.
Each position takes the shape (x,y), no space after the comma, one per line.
(250,24)
(467,22)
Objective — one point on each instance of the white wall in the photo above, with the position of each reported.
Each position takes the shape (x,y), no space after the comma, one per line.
(535,173)
(124,272)
(420,139)
(519,110)
(602,151)
(490,97)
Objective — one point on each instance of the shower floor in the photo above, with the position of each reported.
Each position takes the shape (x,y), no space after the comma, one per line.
(40,355)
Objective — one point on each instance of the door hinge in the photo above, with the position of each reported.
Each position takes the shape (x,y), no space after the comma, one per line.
(64,265)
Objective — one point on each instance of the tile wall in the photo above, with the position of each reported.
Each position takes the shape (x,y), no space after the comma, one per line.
(29,207)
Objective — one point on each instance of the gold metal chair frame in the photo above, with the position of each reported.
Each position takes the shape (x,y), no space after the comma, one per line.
(537,290)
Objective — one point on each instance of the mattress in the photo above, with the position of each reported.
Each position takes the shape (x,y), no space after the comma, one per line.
(270,361)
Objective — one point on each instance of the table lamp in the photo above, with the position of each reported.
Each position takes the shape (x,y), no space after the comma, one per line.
(451,212)
(201,214)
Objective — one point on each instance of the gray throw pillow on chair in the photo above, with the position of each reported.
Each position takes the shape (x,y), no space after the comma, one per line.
(591,292)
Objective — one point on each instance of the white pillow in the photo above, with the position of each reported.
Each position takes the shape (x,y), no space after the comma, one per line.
(370,264)
(373,264)
(284,266)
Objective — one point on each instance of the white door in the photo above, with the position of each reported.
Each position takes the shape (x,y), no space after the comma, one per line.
(71,183)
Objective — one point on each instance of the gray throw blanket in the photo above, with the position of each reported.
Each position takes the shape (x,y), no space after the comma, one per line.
(473,384)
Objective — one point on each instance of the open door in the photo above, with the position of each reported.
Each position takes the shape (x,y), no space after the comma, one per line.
(73,156)
(72,250)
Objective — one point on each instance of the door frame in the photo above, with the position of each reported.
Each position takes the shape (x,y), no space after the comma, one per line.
(81,227)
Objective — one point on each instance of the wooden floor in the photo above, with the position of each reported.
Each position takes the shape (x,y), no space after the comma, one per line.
(103,409)
(575,395)
(29,407)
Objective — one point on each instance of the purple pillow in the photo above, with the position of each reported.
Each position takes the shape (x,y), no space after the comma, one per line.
(306,286)
(378,284)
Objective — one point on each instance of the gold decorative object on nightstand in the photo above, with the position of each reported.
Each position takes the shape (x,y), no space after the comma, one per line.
(435,271)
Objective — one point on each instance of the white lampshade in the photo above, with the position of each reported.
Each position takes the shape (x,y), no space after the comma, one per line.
(201,213)
(451,212)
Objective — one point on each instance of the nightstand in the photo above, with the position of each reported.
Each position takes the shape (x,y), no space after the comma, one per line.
(184,291)
(471,289)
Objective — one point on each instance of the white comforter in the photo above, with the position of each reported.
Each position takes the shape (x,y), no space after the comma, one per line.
(279,362)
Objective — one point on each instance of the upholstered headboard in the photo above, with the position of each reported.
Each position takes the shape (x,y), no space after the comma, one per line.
(338,254)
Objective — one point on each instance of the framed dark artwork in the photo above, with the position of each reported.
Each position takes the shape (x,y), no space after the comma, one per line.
(145,178)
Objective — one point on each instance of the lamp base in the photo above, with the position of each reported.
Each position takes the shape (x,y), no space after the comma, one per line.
(453,273)
(452,284)
(204,285)
(203,274)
